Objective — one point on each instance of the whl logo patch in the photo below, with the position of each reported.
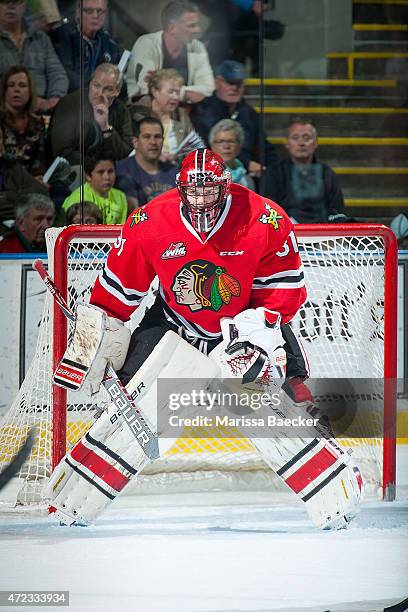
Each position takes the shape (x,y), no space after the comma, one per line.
(176,249)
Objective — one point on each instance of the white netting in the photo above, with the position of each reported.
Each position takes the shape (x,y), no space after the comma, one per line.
(341,327)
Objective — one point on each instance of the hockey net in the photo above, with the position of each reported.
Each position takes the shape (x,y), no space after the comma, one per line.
(347,327)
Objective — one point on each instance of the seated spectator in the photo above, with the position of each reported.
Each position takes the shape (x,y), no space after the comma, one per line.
(100,177)
(98,45)
(14,181)
(176,46)
(307,189)
(34,214)
(91,216)
(163,103)
(226,138)
(143,176)
(228,102)
(32,48)
(107,120)
(23,131)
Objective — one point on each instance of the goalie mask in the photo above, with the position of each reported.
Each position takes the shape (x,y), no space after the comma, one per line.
(203,183)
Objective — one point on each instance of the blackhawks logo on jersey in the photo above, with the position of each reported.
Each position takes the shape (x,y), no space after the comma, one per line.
(201,285)
(138,216)
(271,217)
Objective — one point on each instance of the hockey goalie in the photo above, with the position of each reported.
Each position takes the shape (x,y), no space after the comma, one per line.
(221,253)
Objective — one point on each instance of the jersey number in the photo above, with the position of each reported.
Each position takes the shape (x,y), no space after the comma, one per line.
(119,244)
(286,248)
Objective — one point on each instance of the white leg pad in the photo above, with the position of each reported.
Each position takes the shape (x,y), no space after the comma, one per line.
(96,470)
(100,466)
(320,473)
(316,469)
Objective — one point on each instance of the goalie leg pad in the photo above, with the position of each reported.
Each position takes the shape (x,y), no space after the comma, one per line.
(103,462)
(320,473)
(96,470)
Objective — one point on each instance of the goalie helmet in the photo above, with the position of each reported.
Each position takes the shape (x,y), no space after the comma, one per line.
(203,183)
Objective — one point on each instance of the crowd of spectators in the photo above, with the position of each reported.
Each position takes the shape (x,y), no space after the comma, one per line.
(123,129)
(21,44)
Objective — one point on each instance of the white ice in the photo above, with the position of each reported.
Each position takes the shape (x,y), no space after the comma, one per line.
(188,553)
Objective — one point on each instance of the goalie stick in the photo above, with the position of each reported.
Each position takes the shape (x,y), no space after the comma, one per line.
(17,461)
(124,403)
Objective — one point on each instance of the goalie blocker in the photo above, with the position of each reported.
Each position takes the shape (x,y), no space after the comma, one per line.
(97,340)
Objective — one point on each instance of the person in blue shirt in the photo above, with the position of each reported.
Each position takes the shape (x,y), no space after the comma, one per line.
(99,46)
(142,176)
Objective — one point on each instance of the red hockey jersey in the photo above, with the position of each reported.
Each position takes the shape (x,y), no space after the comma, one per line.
(249,259)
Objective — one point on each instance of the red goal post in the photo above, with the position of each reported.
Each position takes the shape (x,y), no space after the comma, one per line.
(323,232)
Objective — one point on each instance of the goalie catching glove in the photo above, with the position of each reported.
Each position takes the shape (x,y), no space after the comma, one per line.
(97,340)
(254,346)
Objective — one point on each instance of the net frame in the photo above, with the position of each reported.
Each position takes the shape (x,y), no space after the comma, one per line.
(312,231)
(346,311)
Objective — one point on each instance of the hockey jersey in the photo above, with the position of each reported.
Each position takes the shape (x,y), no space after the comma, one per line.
(249,259)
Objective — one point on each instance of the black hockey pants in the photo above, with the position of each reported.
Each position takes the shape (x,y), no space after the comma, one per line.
(154,325)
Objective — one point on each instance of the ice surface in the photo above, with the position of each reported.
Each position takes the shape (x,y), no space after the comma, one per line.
(212,552)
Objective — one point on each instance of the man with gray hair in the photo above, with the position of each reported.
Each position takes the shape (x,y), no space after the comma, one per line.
(107,120)
(99,46)
(226,138)
(228,102)
(34,214)
(176,46)
(306,188)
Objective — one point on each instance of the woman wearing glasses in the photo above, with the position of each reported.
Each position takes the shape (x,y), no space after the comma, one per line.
(226,138)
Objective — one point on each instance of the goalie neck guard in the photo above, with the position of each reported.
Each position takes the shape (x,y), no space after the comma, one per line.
(203,183)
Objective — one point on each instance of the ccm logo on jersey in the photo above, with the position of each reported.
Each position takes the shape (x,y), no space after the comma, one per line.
(232,253)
